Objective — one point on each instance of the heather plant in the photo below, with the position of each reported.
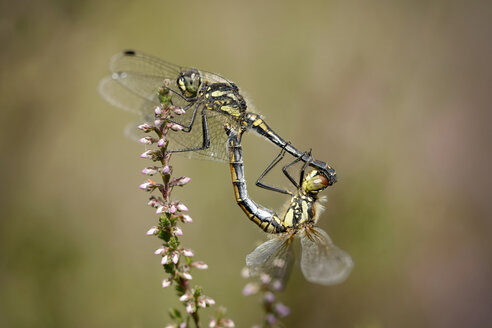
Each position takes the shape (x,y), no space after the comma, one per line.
(178,262)
(263,286)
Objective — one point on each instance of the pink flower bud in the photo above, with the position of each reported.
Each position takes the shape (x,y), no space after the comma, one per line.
(265,279)
(161,250)
(269,297)
(201,303)
(251,289)
(166,283)
(177,231)
(151,170)
(227,323)
(186,275)
(199,265)
(270,318)
(166,170)
(209,300)
(171,209)
(282,310)
(147,140)
(245,273)
(161,209)
(165,260)
(190,307)
(178,110)
(181,181)
(158,122)
(147,154)
(187,252)
(186,218)
(146,127)
(152,231)
(175,257)
(149,185)
(277,285)
(175,127)
(158,110)
(185,297)
(153,202)
(182,207)
(161,142)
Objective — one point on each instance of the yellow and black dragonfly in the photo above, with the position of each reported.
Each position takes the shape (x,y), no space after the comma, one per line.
(321,261)
(208,100)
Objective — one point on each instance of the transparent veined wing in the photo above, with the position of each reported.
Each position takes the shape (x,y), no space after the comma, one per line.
(143,75)
(321,261)
(120,97)
(133,86)
(137,75)
(273,258)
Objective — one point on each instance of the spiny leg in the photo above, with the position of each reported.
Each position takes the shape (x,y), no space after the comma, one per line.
(308,162)
(205,133)
(306,155)
(187,128)
(257,124)
(275,161)
(305,165)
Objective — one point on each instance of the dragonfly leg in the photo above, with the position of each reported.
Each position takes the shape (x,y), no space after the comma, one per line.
(257,124)
(205,132)
(187,127)
(306,157)
(275,161)
(178,94)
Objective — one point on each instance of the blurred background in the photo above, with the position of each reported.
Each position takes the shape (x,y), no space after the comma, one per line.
(395,95)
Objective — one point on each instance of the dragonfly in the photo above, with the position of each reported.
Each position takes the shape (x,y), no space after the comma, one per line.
(208,100)
(321,261)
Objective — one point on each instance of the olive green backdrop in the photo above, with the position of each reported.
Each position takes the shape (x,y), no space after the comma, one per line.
(395,95)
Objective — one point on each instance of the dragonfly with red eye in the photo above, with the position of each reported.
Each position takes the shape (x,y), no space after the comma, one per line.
(321,261)
(208,100)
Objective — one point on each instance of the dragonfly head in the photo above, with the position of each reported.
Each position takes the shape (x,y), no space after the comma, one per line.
(314,182)
(327,170)
(189,82)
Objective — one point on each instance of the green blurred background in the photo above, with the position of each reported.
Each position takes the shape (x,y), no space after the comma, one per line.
(395,95)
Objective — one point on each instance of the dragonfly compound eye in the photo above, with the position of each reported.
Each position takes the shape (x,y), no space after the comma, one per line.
(315,182)
(189,82)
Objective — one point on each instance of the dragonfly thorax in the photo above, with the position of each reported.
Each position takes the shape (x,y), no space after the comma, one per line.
(300,210)
(189,83)
(225,98)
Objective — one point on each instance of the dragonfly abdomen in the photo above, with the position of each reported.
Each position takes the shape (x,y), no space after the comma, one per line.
(265,218)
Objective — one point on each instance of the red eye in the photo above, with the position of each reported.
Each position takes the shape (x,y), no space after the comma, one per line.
(322,180)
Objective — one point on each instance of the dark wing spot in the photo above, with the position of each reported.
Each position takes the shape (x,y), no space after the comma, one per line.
(129,52)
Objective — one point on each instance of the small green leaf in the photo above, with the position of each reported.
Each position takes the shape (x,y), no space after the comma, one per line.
(175,314)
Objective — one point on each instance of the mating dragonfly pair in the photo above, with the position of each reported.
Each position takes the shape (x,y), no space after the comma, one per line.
(211,103)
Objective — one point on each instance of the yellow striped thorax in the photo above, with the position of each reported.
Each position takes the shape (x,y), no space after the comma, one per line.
(224,97)
(301,210)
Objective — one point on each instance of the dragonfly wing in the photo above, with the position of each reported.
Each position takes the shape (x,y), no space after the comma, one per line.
(321,261)
(273,258)
(138,62)
(119,95)
(133,86)
(179,140)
